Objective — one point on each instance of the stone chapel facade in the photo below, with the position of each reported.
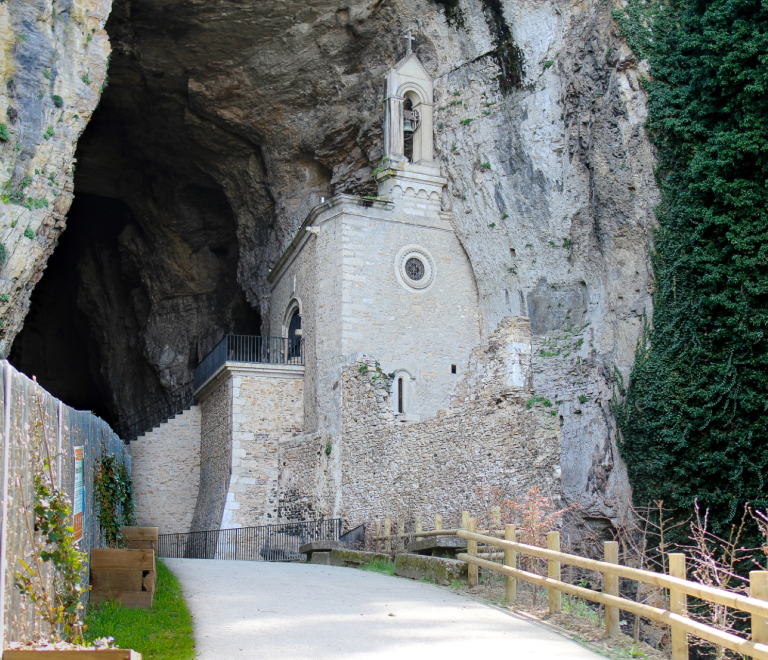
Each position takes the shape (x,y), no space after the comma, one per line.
(400,403)
(386,278)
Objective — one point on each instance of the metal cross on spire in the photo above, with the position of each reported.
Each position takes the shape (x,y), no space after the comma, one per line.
(410,38)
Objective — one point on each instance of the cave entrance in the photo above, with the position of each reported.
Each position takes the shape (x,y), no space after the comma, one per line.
(56,343)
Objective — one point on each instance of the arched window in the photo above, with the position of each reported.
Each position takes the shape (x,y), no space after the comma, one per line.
(294,335)
(408,129)
(401,392)
(411,126)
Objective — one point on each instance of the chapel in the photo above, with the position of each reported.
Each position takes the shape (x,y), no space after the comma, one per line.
(372,381)
(385,277)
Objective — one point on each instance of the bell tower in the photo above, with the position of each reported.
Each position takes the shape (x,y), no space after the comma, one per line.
(409,132)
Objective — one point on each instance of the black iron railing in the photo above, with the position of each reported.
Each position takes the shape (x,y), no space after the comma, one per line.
(354,539)
(250,348)
(156,413)
(265,543)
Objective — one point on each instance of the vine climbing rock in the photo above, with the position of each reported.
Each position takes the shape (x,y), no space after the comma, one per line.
(53,64)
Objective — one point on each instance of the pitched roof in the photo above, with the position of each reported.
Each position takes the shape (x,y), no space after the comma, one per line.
(410,65)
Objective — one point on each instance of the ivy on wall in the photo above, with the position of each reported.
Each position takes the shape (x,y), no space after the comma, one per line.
(114,496)
(694,415)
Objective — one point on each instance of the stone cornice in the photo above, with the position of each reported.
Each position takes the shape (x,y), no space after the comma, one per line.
(256,369)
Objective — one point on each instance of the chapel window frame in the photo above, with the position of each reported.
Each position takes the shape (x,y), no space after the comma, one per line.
(402,392)
(293,345)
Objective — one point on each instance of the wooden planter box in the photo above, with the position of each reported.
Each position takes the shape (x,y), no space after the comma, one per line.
(124,575)
(104,654)
(141,538)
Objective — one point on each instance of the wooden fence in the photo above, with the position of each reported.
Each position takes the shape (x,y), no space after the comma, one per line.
(680,588)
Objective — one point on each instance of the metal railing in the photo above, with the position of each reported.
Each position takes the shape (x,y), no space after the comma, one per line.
(266,543)
(250,348)
(156,413)
(354,539)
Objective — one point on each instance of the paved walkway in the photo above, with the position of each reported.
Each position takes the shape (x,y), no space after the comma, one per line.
(277,611)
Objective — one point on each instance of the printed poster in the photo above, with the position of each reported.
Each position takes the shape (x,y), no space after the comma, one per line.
(78,504)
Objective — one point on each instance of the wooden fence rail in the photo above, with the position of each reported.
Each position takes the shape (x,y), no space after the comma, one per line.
(679,588)
(503,544)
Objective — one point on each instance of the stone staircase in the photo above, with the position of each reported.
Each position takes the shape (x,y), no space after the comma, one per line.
(165,464)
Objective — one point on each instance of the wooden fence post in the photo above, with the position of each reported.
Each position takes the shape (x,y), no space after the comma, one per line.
(553,571)
(439,522)
(465,519)
(611,556)
(472,551)
(678,603)
(496,515)
(419,529)
(510,559)
(758,588)
(387,532)
(400,531)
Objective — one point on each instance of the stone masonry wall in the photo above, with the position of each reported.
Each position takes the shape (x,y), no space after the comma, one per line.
(166,473)
(496,441)
(215,457)
(265,410)
(310,477)
(355,302)
(298,284)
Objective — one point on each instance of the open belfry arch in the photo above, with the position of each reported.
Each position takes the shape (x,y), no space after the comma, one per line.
(408,81)
(375,382)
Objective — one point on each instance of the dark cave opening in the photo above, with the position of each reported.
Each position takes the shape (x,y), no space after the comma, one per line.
(56,344)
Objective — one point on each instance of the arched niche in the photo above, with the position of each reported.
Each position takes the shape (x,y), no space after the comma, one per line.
(408,83)
(413,143)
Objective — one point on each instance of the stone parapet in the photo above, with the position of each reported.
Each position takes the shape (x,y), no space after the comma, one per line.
(343,557)
(435,569)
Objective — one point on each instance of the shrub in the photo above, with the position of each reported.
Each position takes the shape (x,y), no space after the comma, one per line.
(4,135)
(28,233)
(57,100)
(113,488)
(694,414)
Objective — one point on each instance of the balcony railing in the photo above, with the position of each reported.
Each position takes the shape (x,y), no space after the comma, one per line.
(129,428)
(250,348)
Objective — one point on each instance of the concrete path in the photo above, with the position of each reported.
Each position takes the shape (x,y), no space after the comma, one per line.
(276,611)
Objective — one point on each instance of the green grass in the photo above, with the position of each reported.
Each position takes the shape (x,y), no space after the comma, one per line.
(162,633)
(380,566)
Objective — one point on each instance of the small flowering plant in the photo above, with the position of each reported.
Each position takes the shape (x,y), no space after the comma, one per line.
(56,592)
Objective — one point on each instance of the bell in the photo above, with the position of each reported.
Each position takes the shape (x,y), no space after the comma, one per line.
(408,126)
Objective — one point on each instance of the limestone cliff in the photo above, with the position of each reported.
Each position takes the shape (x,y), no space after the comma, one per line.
(224,123)
(53,67)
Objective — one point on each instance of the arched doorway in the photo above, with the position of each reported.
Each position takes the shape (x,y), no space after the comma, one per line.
(294,335)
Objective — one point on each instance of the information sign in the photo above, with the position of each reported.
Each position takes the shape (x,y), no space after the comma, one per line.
(79,504)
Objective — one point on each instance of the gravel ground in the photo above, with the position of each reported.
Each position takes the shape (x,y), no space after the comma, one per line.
(287,611)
